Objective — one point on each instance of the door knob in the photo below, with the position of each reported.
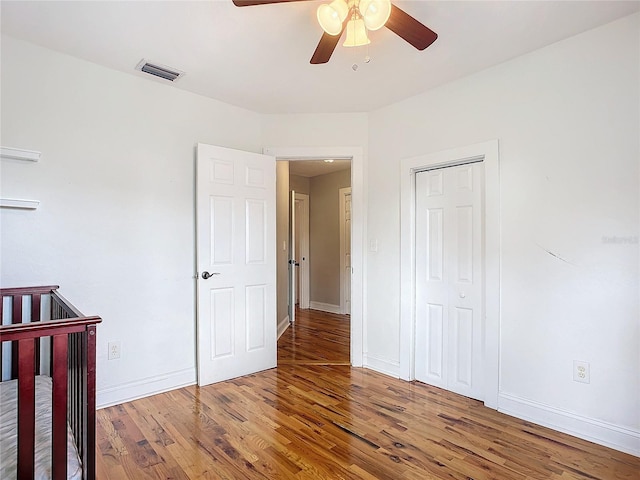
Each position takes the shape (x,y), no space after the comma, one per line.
(207,275)
(462,295)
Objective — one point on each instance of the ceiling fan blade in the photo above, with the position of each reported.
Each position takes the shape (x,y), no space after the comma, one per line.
(410,29)
(328,44)
(251,3)
(325,48)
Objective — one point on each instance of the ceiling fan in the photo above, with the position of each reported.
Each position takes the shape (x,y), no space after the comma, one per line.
(357,17)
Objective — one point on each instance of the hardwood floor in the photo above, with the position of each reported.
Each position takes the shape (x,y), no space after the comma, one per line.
(321,421)
(315,338)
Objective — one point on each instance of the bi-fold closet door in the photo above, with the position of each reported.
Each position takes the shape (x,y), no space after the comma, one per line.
(449,278)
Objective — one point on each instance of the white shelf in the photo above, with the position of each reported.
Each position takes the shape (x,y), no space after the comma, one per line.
(16,203)
(20,154)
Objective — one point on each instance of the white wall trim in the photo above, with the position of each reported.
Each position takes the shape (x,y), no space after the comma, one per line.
(358,229)
(283,325)
(145,387)
(488,152)
(19,154)
(325,307)
(382,365)
(603,433)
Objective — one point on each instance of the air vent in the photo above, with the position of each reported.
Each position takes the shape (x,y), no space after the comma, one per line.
(158,70)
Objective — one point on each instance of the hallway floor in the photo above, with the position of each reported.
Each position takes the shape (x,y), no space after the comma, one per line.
(315,338)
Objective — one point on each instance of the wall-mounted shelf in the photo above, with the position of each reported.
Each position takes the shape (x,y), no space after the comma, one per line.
(21,204)
(19,154)
(25,156)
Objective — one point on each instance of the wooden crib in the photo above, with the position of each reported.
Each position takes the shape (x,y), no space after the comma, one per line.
(48,364)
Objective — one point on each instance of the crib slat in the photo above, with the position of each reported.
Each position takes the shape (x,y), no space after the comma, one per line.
(26,408)
(36,301)
(59,435)
(16,317)
(16,309)
(35,317)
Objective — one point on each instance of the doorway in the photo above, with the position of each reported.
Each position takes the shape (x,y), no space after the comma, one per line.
(322,182)
(355,154)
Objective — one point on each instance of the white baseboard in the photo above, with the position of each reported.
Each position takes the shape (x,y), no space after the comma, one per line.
(324,307)
(146,387)
(283,325)
(381,365)
(603,433)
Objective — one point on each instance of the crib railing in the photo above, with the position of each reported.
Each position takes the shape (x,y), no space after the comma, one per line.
(70,340)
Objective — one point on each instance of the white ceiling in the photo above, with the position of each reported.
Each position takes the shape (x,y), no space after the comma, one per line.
(258,57)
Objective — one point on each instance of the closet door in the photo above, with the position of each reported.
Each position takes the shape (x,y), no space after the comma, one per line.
(449,300)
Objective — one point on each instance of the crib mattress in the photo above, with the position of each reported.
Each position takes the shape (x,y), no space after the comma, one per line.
(43,427)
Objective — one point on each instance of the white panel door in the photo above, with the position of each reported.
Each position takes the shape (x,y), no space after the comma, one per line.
(236,304)
(449,309)
(302,249)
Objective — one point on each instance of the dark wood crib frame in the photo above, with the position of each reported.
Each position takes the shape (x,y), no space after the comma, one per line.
(71,338)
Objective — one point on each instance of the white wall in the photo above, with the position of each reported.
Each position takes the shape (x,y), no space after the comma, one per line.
(567,119)
(115,227)
(315,130)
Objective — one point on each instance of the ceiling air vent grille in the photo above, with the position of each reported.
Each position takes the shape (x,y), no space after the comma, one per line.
(158,70)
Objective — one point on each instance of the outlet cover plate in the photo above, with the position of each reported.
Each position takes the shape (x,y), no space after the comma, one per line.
(113,350)
(581,372)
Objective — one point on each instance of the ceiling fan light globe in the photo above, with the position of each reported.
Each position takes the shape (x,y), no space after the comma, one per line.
(375,13)
(331,16)
(356,33)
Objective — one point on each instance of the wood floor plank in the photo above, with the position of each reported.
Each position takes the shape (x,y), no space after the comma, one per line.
(315,417)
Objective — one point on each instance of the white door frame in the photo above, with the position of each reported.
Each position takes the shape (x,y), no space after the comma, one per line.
(303,240)
(293,285)
(343,192)
(488,153)
(358,219)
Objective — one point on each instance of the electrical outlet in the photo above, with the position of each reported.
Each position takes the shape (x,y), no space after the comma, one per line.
(581,372)
(114,351)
